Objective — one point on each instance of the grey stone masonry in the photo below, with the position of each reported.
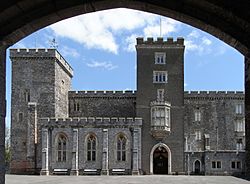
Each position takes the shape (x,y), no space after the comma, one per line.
(45,152)
(102,103)
(106,130)
(40,76)
(167,76)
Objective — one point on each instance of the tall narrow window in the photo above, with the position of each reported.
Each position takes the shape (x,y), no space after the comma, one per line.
(207,141)
(20,116)
(160,95)
(197,115)
(61,148)
(121,148)
(239,108)
(27,95)
(91,148)
(198,135)
(76,106)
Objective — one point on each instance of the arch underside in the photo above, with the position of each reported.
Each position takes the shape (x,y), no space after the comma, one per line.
(226,20)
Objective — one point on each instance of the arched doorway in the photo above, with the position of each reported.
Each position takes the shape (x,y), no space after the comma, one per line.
(197,167)
(160,159)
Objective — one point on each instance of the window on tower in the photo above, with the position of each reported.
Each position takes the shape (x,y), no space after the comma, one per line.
(160,95)
(160,77)
(160,58)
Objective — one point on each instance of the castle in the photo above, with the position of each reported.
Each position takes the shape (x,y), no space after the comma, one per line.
(158,129)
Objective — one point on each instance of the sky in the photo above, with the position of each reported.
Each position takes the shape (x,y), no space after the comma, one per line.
(100,47)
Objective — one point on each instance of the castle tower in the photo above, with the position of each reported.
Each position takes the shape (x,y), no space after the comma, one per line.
(41,79)
(160,103)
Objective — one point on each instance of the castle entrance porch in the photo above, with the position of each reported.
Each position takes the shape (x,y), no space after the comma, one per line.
(160,161)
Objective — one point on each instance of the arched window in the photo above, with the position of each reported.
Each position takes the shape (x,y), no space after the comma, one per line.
(91,148)
(121,148)
(61,148)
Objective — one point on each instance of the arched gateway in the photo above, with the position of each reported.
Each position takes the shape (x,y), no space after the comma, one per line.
(160,159)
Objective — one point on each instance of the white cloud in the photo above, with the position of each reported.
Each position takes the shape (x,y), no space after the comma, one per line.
(196,43)
(168,25)
(130,41)
(99,30)
(102,65)
(67,51)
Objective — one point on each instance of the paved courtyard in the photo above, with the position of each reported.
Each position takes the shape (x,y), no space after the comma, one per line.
(156,179)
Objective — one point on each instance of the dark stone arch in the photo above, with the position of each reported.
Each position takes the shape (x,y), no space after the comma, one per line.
(227,20)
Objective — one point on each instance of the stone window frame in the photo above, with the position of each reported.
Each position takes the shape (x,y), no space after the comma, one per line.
(121,153)
(91,150)
(26,95)
(237,165)
(197,135)
(76,106)
(197,115)
(160,58)
(160,95)
(160,77)
(20,116)
(239,125)
(216,164)
(61,154)
(239,108)
(166,116)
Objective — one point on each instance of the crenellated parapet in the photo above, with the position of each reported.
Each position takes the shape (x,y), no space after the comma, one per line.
(214,95)
(91,122)
(150,42)
(102,94)
(41,54)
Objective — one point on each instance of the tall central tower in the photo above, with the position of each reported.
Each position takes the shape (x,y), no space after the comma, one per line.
(160,93)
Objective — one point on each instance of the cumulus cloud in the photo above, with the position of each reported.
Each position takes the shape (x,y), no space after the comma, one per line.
(67,51)
(102,65)
(195,42)
(99,30)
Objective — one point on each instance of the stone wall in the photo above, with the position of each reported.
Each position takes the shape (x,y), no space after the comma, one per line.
(95,126)
(102,103)
(217,122)
(35,76)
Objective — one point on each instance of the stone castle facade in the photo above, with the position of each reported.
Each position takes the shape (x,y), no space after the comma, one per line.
(158,129)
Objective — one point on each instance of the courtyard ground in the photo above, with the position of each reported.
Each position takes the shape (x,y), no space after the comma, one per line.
(150,179)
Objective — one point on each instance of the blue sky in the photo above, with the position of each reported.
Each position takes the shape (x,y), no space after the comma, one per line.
(100,48)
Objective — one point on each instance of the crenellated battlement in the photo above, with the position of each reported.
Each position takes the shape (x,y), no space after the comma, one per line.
(91,121)
(160,41)
(42,53)
(214,94)
(102,93)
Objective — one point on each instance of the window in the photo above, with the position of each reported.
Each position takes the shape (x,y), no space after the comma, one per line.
(160,95)
(27,95)
(61,148)
(198,135)
(160,116)
(160,58)
(91,148)
(216,164)
(240,125)
(160,77)
(207,141)
(121,148)
(239,108)
(76,106)
(197,115)
(236,165)
(20,116)
(239,144)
